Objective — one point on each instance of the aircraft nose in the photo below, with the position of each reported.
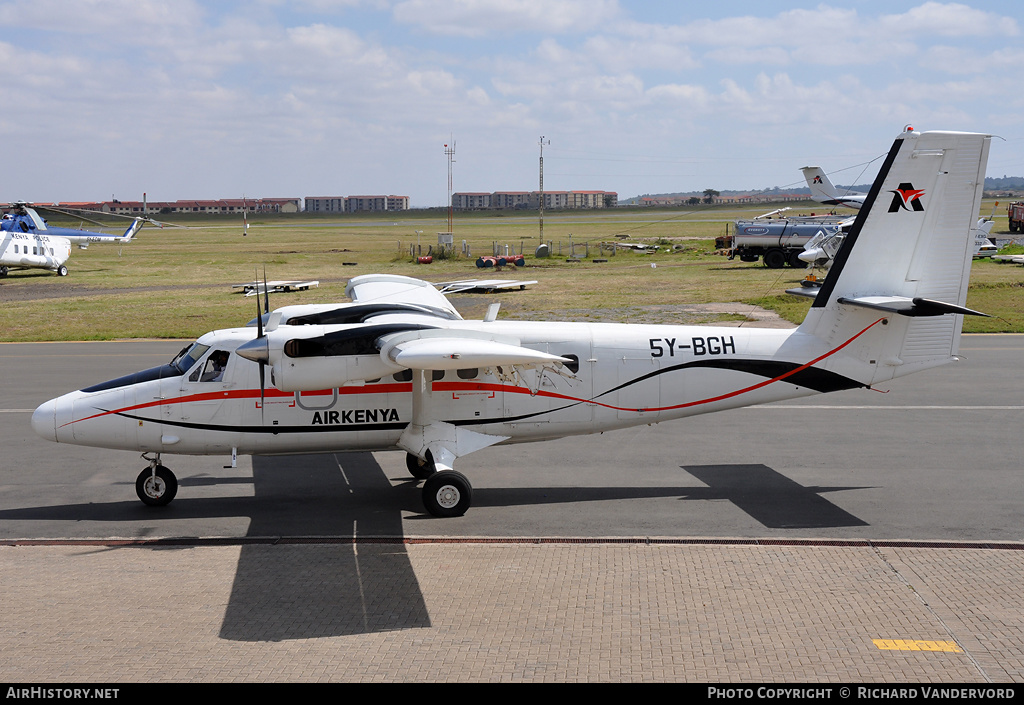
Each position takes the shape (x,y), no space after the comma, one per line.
(44,420)
(811,256)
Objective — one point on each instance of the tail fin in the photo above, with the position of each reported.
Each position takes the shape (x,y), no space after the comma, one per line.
(820,185)
(135,227)
(898,284)
(823,191)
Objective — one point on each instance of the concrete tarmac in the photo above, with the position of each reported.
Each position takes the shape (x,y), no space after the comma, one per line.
(853,537)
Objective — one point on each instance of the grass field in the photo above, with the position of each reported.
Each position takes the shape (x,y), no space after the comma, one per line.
(176,282)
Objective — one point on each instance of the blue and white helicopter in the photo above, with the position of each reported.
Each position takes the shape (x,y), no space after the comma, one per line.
(27,242)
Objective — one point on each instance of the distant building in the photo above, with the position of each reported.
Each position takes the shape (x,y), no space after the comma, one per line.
(398,203)
(353,204)
(471,201)
(225,206)
(500,200)
(325,204)
(510,199)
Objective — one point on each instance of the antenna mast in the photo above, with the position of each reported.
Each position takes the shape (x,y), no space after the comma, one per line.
(450,153)
(542,188)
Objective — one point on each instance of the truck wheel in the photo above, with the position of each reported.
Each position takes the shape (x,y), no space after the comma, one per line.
(795,262)
(775,259)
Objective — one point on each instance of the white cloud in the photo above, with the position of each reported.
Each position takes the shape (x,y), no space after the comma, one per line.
(285,92)
(477,18)
(949,20)
(90,16)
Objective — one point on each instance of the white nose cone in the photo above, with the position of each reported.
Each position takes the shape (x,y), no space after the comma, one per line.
(44,420)
(813,255)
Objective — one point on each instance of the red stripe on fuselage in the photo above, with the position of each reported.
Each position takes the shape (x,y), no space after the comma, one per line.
(456,387)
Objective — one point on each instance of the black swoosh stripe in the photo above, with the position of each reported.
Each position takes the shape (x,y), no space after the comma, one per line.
(811,377)
(839,262)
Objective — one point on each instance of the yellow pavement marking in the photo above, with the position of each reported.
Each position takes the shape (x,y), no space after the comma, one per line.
(914,645)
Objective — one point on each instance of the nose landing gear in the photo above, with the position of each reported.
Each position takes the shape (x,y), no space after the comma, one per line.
(156,485)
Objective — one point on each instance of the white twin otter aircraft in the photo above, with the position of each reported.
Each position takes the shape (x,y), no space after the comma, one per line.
(399,369)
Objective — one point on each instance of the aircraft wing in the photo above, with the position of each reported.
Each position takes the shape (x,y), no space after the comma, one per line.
(481,285)
(394,288)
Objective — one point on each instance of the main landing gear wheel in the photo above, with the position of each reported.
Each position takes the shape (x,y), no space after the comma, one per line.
(157,489)
(420,469)
(447,494)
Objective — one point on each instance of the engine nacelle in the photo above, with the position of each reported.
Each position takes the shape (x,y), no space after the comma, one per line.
(307,374)
(311,357)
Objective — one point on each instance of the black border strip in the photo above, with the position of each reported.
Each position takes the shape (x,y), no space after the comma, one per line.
(825,292)
(516,540)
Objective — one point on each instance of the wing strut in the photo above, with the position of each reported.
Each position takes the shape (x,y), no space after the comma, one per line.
(444,442)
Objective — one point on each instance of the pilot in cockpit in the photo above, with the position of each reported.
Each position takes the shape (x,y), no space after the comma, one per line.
(215,366)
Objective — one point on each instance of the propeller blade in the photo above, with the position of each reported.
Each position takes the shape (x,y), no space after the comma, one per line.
(266,293)
(259,334)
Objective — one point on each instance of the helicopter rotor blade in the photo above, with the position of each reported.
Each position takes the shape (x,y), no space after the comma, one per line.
(69,214)
(76,213)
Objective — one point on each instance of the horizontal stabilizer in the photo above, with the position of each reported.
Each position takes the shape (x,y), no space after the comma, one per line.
(460,353)
(909,307)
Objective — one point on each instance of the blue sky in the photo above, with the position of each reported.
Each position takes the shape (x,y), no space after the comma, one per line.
(185,99)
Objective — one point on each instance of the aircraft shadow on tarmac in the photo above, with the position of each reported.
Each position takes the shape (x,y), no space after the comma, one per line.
(336,589)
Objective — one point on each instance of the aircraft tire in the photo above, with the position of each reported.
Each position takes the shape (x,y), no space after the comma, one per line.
(62,271)
(156,491)
(3,271)
(447,494)
(420,469)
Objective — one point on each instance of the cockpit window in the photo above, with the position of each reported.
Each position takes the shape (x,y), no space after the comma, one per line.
(215,365)
(188,356)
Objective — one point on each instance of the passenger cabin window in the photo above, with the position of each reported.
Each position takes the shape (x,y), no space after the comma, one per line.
(406,375)
(469,373)
(574,363)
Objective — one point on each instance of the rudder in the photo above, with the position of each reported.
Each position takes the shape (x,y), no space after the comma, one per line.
(907,258)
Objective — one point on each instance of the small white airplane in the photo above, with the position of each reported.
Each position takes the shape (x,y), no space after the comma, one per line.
(821,249)
(983,245)
(256,288)
(482,286)
(399,369)
(26,242)
(823,191)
